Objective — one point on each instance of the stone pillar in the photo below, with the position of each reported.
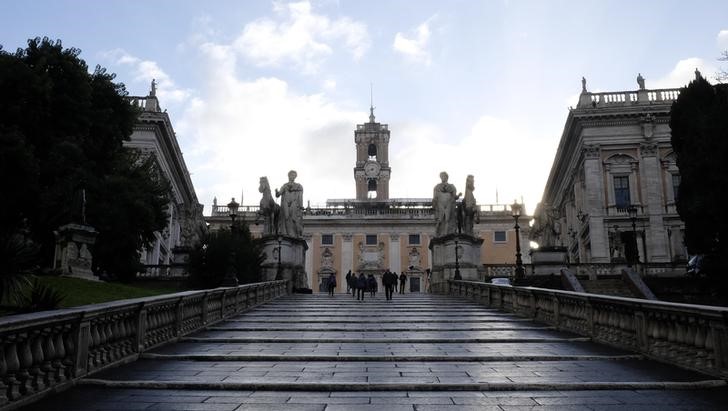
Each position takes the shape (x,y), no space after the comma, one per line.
(309,259)
(347,255)
(73,250)
(594,204)
(395,258)
(655,235)
(285,260)
(444,261)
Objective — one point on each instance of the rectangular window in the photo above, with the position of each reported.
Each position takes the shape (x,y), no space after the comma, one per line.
(621,192)
(327,239)
(414,239)
(499,236)
(675,186)
(371,239)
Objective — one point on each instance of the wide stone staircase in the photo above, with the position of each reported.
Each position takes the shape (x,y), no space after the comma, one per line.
(416,352)
(616,287)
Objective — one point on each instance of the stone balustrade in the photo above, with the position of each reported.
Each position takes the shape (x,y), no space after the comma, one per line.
(45,352)
(625,98)
(691,336)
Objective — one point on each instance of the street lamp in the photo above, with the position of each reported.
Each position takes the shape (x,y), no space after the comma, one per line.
(516,213)
(632,211)
(279,276)
(231,278)
(457,261)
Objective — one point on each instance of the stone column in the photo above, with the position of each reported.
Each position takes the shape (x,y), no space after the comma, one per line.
(652,189)
(594,203)
(395,258)
(309,259)
(347,254)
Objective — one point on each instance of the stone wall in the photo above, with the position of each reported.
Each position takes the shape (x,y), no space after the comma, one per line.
(691,336)
(47,351)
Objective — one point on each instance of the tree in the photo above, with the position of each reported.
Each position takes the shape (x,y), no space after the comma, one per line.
(62,130)
(699,126)
(209,260)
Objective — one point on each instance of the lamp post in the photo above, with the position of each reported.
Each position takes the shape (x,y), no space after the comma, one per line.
(516,213)
(457,262)
(279,276)
(231,277)
(632,210)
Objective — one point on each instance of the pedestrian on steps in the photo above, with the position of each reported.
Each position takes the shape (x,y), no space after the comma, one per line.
(402,281)
(348,281)
(332,284)
(361,287)
(372,285)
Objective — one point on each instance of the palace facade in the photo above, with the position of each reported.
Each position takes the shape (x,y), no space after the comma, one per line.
(610,195)
(373,232)
(153,135)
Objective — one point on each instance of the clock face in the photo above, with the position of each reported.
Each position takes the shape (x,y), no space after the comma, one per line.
(371,169)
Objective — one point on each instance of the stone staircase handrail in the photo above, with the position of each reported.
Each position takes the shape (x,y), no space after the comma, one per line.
(47,351)
(687,335)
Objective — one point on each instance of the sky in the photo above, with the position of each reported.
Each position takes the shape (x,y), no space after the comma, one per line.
(256,88)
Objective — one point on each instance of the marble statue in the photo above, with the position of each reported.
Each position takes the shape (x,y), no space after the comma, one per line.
(444,197)
(583,85)
(291,215)
(640,81)
(546,229)
(269,210)
(469,208)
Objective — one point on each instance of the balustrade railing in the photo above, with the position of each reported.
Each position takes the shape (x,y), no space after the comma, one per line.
(691,336)
(47,351)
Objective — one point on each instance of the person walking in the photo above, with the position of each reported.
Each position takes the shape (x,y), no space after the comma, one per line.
(352,284)
(332,284)
(389,280)
(361,287)
(372,285)
(348,281)
(402,281)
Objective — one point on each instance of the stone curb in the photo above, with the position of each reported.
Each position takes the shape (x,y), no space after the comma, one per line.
(357,321)
(637,385)
(379,358)
(341,329)
(233,340)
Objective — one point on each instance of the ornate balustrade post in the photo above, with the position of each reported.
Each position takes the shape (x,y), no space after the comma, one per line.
(179,317)
(204,307)
(719,332)
(81,343)
(641,331)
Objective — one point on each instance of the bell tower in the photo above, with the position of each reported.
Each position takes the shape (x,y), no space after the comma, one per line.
(372,171)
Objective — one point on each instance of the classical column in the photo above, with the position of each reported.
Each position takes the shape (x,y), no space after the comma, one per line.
(309,259)
(656,235)
(395,260)
(347,254)
(595,204)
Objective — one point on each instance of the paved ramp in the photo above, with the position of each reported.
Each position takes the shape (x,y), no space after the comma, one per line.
(417,352)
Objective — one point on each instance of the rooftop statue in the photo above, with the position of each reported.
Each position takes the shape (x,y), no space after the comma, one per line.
(640,81)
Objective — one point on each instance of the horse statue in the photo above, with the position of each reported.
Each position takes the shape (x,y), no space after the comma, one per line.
(269,210)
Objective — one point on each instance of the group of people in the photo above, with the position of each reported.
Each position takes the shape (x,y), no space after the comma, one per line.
(359,285)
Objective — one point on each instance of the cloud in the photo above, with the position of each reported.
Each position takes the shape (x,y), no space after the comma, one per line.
(682,74)
(414,46)
(501,154)
(722,39)
(143,71)
(301,37)
(238,130)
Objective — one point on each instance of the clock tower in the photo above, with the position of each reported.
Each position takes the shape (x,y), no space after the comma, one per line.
(372,171)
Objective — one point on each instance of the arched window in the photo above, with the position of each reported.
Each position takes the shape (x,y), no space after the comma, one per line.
(372,151)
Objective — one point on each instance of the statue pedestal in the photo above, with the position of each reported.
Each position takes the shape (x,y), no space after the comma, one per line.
(549,260)
(73,251)
(284,259)
(444,261)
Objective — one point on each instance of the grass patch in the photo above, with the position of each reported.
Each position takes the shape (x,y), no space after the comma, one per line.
(81,292)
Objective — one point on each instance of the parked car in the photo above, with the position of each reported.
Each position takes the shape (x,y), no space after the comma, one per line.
(501,281)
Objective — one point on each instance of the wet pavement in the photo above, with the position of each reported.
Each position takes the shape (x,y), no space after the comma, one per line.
(416,352)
